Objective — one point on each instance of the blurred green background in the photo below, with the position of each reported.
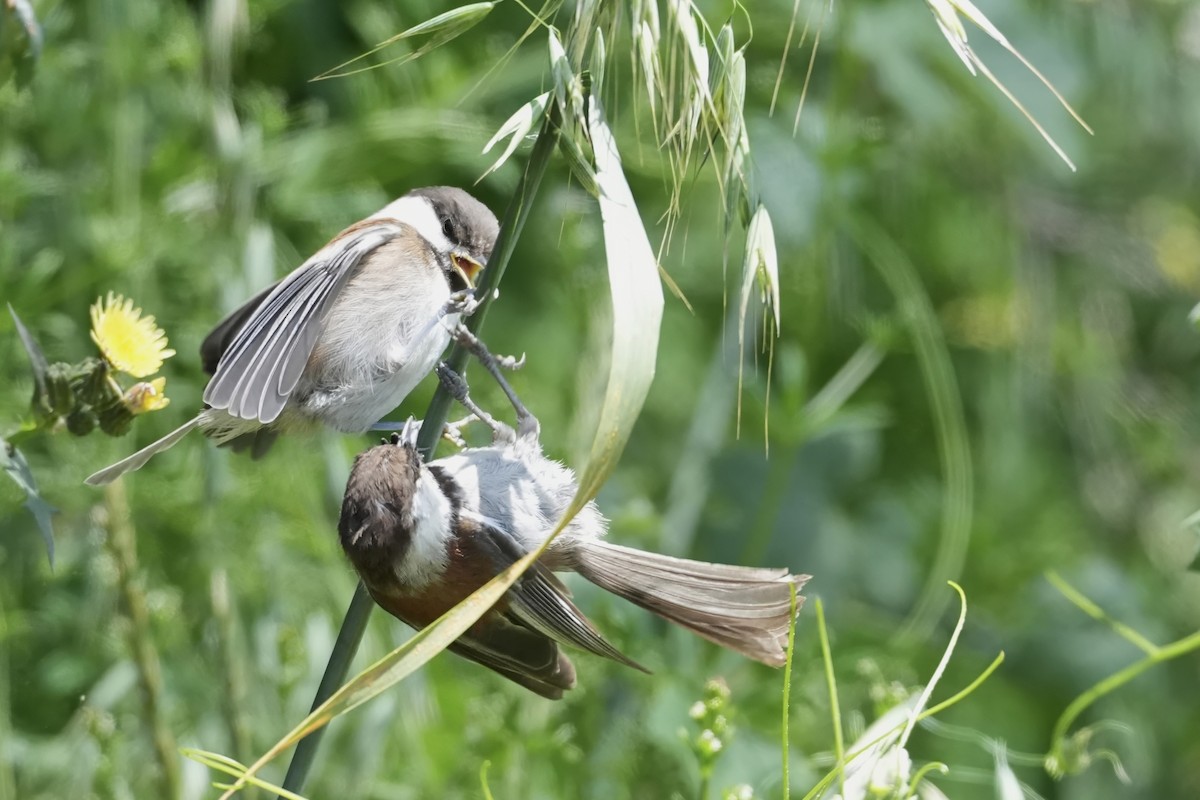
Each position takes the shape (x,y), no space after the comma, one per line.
(1012,341)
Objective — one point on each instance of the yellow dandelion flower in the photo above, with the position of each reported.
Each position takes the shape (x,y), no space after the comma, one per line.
(133,344)
(143,397)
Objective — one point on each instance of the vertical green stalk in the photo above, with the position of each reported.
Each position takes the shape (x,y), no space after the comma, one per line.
(233,699)
(8,780)
(785,734)
(839,743)
(355,621)
(122,545)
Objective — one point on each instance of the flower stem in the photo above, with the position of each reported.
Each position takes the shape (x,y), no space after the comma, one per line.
(355,621)
(122,544)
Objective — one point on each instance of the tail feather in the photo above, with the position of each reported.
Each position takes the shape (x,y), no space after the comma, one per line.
(139,459)
(745,609)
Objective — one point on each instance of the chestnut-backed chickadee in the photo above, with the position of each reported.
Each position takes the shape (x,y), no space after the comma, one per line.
(424,536)
(345,337)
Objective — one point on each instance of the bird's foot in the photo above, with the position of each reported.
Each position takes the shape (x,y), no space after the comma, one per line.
(527,423)
(457,387)
(462,303)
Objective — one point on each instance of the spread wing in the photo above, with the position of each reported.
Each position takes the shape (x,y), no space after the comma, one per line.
(219,339)
(265,344)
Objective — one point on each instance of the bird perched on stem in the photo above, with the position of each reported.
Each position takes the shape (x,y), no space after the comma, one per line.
(345,337)
(425,536)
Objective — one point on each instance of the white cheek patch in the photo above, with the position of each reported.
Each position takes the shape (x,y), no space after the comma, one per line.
(427,556)
(417,212)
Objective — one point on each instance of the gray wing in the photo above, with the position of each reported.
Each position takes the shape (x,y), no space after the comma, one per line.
(266,355)
(219,338)
(540,601)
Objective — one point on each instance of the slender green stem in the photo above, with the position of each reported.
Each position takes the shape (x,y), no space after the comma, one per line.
(483,781)
(1116,681)
(122,543)
(787,696)
(1084,604)
(972,686)
(234,697)
(355,621)
(839,743)
(349,637)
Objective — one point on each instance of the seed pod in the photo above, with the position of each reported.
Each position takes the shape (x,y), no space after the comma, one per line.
(82,420)
(90,381)
(59,397)
(115,417)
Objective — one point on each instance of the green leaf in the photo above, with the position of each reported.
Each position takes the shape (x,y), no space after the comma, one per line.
(37,361)
(13,462)
(516,127)
(441,29)
(637,307)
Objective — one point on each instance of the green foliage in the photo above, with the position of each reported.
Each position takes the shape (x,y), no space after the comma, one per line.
(180,153)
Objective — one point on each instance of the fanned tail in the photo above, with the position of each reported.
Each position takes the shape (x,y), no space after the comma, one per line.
(138,459)
(745,609)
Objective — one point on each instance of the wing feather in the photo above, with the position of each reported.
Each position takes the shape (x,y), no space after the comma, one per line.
(542,602)
(263,359)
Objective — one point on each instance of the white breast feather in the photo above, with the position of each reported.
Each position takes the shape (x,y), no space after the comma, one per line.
(426,558)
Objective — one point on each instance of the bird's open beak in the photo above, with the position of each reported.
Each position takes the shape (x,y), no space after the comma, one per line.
(466,267)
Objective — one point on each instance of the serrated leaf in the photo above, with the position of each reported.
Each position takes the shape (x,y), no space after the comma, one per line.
(441,29)
(14,464)
(637,313)
(516,127)
(37,360)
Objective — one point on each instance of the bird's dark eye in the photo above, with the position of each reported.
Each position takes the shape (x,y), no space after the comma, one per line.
(448,228)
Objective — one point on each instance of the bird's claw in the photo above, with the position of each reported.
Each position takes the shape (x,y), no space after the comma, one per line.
(462,303)
(453,431)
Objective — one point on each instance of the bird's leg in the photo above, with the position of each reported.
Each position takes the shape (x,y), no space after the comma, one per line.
(407,430)
(456,386)
(527,423)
